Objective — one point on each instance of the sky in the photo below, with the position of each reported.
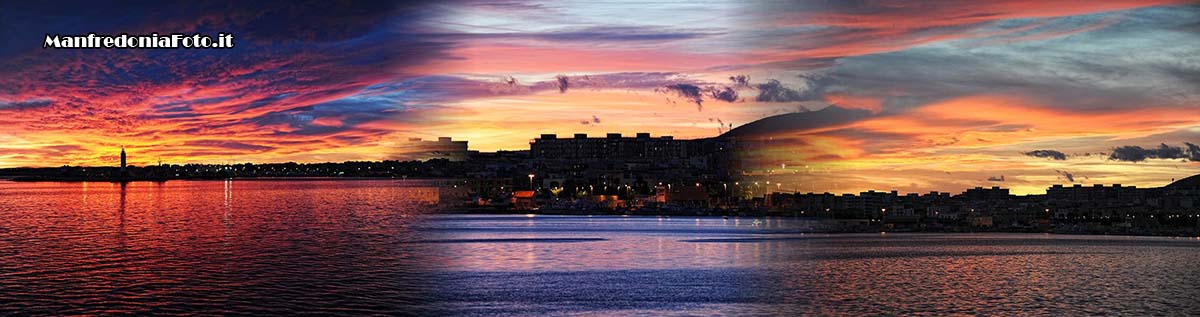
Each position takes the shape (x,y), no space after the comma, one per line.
(942,95)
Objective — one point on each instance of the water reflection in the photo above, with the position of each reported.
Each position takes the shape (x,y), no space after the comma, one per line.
(353,248)
(228,202)
(122,239)
(212,247)
(707,266)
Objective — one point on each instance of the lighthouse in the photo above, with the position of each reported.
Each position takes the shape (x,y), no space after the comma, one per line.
(122,161)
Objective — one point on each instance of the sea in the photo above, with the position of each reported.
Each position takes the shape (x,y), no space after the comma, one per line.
(378,247)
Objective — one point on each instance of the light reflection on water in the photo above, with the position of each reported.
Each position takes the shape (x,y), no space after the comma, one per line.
(213,247)
(358,247)
(689,266)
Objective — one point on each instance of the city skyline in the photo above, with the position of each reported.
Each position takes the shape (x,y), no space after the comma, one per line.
(1020,94)
(446,148)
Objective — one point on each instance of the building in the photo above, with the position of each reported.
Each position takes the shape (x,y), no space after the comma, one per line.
(983,194)
(122,161)
(416,149)
(691,196)
(612,146)
(523,200)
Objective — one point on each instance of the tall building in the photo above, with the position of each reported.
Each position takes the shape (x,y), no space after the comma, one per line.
(614,163)
(612,146)
(122,161)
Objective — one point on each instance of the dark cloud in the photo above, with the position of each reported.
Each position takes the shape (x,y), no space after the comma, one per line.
(774,91)
(564,82)
(996,179)
(1050,154)
(1065,174)
(627,80)
(595,119)
(334,118)
(725,94)
(1133,153)
(689,92)
(24,105)
(436,89)
(740,80)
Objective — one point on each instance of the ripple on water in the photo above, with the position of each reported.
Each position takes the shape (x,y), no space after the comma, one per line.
(707,266)
(513,240)
(210,247)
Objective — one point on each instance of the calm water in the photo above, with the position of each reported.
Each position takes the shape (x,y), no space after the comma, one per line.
(216,247)
(711,266)
(364,247)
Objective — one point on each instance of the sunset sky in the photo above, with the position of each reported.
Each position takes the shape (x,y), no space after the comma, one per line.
(953,94)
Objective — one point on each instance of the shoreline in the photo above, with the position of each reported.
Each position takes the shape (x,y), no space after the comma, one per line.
(817,225)
(841,230)
(38,179)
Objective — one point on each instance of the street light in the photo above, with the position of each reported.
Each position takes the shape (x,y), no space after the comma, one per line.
(530,180)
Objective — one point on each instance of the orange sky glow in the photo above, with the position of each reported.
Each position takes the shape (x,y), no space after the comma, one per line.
(1019,94)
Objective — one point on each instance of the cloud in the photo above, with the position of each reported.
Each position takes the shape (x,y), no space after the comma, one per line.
(1065,174)
(1133,153)
(774,91)
(1085,71)
(687,91)
(276,94)
(996,179)
(1050,154)
(24,105)
(564,82)
(448,89)
(740,80)
(232,145)
(594,120)
(624,80)
(591,34)
(725,94)
(862,28)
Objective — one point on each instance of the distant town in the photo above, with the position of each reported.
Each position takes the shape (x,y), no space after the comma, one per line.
(645,175)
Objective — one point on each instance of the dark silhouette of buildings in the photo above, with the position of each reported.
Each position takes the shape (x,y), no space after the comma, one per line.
(1097,209)
(619,172)
(612,146)
(664,175)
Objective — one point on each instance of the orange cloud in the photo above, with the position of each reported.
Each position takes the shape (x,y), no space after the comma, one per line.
(933,147)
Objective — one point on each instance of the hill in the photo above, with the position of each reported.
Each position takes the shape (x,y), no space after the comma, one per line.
(832,115)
